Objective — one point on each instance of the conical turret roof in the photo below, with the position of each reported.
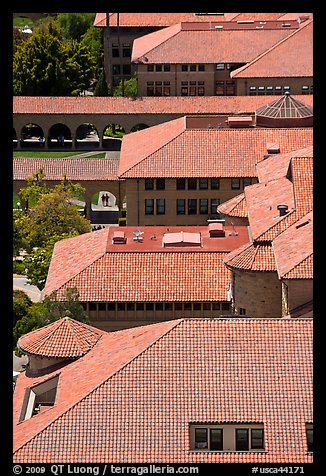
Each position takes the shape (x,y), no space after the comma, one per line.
(65,338)
(285,112)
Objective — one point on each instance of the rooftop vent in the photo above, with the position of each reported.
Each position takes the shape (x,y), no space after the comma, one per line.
(240,121)
(138,236)
(216,230)
(245,21)
(304,223)
(181,238)
(273,148)
(119,237)
(282,210)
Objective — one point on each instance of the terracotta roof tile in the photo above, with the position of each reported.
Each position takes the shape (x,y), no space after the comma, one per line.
(205,46)
(154,19)
(203,370)
(83,168)
(177,276)
(171,150)
(92,105)
(277,165)
(282,59)
(236,206)
(65,338)
(293,250)
(252,257)
(262,200)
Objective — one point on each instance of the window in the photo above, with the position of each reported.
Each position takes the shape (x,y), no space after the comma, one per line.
(130,306)
(201,440)
(160,206)
(111,306)
(187,306)
(241,439)
(201,67)
(215,183)
(310,441)
(149,206)
(247,181)
(252,91)
(166,88)
(181,206)
(206,306)
(192,67)
(150,68)
(184,88)
(203,206)
(116,69)
(158,67)
(39,398)
(192,206)
(166,67)
(235,183)
(149,306)
(203,184)
(261,90)
(197,306)
(230,88)
(286,88)
(181,184)
(158,88)
(219,88)
(216,439)
(149,184)
(159,306)
(257,439)
(201,90)
(216,306)
(184,67)
(160,184)
(214,204)
(269,89)
(150,88)
(278,89)
(168,306)
(304,89)
(102,306)
(220,66)
(126,50)
(192,184)
(115,50)
(178,306)
(227,437)
(225,306)
(242,311)
(92,306)
(121,306)
(126,69)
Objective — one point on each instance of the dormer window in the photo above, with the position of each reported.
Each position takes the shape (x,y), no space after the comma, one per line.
(39,398)
(310,437)
(227,437)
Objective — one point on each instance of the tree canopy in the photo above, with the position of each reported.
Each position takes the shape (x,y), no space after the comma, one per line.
(47,65)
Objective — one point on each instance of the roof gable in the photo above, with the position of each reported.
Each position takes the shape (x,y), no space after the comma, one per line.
(283,59)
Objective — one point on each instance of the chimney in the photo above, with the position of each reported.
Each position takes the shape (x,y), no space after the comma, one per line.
(282,210)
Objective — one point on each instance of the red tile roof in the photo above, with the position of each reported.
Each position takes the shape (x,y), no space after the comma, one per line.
(282,59)
(171,150)
(252,257)
(262,200)
(294,249)
(83,168)
(235,207)
(177,45)
(154,19)
(277,166)
(143,105)
(65,338)
(193,370)
(144,271)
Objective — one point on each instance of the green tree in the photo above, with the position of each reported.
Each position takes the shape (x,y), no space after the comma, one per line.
(45,65)
(21,304)
(130,87)
(75,25)
(38,261)
(101,88)
(35,317)
(69,306)
(93,40)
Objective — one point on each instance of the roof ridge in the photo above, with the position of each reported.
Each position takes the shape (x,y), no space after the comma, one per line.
(176,28)
(174,323)
(243,68)
(299,263)
(182,119)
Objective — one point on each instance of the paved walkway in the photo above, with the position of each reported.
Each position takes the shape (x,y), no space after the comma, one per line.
(20,282)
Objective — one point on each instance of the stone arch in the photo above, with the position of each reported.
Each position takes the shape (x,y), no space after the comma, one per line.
(31,136)
(112,135)
(59,136)
(87,136)
(138,127)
